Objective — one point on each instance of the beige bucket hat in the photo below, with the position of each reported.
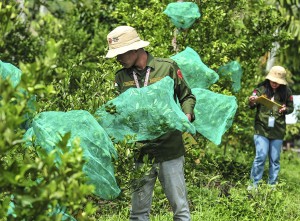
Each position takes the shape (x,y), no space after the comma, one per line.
(277,74)
(123,39)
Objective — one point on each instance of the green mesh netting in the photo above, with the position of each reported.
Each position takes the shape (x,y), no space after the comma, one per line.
(57,210)
(144,113)
(182,14)
(97,146)
(11,72)
(214,113)
(194,71)
(234,70)
(62,210)
(30,109)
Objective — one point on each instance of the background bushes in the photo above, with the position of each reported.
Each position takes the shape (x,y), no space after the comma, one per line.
(60,47)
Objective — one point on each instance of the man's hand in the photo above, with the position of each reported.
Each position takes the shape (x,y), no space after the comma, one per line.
(189,116)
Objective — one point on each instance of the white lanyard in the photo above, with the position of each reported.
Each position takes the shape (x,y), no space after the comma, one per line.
(146,78)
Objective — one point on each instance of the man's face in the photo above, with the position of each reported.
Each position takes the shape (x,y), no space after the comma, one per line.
(127,59)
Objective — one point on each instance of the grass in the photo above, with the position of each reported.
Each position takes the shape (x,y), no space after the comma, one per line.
(211,203)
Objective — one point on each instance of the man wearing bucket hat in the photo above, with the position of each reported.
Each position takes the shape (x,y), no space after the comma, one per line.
(269,124)
(140,69)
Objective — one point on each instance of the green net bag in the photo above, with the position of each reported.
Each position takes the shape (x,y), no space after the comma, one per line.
(48,127)
(234,70)
(214,113)
(31,109)
(182,14)
(57,210)
(11,73)
(194,71)
(144,113)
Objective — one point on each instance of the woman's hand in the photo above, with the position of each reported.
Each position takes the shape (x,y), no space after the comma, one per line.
(252,99)
(282,109)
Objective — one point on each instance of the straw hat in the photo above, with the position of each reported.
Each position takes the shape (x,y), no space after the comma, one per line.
(123,39)
(277,74)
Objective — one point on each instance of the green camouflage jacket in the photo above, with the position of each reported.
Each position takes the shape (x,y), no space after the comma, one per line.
(170,145)
(262,115)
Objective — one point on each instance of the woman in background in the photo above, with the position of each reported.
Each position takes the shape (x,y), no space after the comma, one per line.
(269,124)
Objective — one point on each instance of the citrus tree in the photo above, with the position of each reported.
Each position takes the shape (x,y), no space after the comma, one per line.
(60,47)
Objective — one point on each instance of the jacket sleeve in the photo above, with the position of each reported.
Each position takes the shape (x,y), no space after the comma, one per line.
(256,92)
(289,103)
(184,94)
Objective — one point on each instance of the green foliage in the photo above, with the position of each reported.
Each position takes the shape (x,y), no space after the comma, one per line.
(264,202)
(126,177)
(61,54)
(243,35)
(289,57)
(87,91)
(30,178)
(221,193)
(142,15)
(17,43)
(48,187)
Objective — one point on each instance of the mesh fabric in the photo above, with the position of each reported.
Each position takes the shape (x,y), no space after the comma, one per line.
(48,127)
(182,14)
(194,71)
(11,72)
(234,70)
(214,113)
(144,113)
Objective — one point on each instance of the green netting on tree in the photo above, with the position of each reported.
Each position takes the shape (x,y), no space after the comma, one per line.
(13,75)
(65,215)
(10,72)
(144,113)
(194,71)
(30,109)
(234,70)
(182,14)
(214,113)
(98,149)
(57,210)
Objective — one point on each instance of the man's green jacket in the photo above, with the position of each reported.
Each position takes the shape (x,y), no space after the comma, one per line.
(170,145)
